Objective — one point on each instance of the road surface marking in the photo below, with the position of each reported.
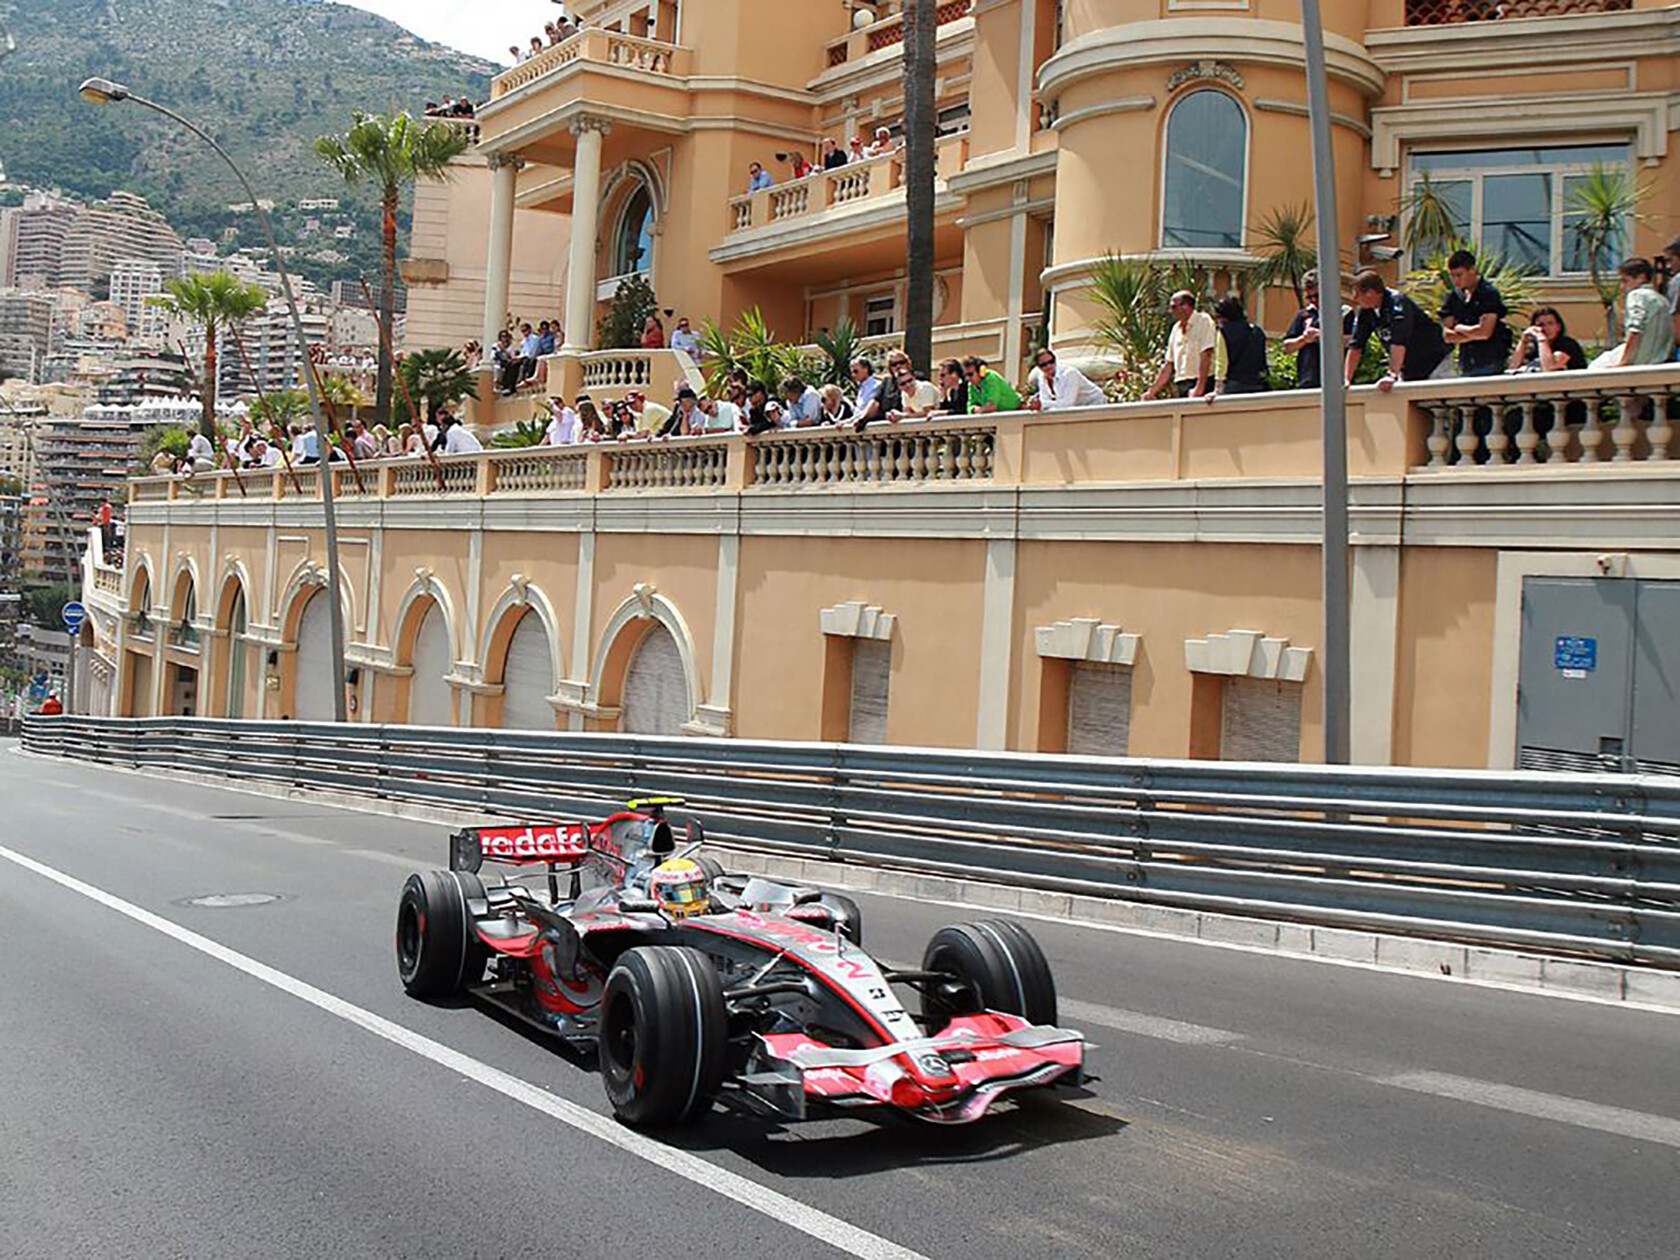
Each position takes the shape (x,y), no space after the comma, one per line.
(1584,1115)
(390,859)
(1156,1026)
(820,1225)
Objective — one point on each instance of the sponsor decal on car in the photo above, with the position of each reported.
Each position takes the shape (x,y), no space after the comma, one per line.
(558,842)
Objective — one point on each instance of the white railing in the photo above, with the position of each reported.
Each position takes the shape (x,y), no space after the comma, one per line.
(597,47)
(107,581)
(539,472)
(648,55)
(1618,417)
(848,183)
(552,58)
(420,477)
(653,371)
(789,200)
(881,454)
(680,465)
(740,211)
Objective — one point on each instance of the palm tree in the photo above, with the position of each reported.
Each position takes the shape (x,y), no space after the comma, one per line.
(1598,210)
(920,29)
(1430,218)
(1286,250)
(1133,294)
(1429,284)
(215,300)
(276,411)
(435,379)
(391,151)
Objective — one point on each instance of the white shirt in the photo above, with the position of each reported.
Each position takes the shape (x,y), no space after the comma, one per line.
(270,458)
(727,420)
(688,342)
(923,397)
(461,441)
(1065,386)
(563,428)
(1185,346)
(199,448)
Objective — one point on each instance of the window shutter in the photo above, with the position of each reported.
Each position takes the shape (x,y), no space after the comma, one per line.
(528,678)
(655,687)
(428,694)
(1099,710)
(871,673)
(1261,721)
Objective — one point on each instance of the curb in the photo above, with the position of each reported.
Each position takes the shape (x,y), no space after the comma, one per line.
(1486,966)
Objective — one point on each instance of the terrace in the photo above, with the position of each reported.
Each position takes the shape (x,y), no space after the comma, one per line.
(594,48)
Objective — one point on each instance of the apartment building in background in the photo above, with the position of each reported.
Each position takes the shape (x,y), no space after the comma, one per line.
(32,240)
(123,226)
(135,283)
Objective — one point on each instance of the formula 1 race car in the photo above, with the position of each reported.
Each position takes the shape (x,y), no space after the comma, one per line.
(694,986)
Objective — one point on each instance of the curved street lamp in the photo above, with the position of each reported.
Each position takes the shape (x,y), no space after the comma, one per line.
(98,91)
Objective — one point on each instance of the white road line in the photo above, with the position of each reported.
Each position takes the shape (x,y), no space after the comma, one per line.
(1583,1115)
(1156,1026)
(820,1225)
(390,859)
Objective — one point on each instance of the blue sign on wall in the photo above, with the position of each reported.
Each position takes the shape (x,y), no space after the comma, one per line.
(1575,655)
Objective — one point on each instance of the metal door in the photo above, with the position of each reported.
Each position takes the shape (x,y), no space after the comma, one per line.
(1099,709)
(871,681)
(1654,745)
(528,678)
(428,693)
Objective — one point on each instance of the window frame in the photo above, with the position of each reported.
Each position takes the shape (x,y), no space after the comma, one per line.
(886,295)
(1165,152)
(1560,173)
(643,191)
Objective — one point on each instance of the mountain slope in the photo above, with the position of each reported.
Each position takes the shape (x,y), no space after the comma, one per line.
(265,77)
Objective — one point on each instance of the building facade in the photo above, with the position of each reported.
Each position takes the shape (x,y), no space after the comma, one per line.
(638,133)
(103,233)
(135,282)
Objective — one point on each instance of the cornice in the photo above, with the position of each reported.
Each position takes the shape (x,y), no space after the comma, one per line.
(1532,42)
(1165,41)
(992,169)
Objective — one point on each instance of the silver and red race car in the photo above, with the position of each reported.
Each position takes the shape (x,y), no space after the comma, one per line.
(754,994)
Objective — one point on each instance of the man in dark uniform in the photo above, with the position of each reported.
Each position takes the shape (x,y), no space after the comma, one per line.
(1417,350)
(1474,319)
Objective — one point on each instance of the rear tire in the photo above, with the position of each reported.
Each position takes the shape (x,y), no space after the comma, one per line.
(997,966)
(438,952)
(663,1036)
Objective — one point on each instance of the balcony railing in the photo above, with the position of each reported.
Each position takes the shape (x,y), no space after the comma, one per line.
(595,47)
(1452,12)
(849,185)
(888,32)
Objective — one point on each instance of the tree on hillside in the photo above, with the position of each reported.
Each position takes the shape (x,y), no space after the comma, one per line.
(391,151)
(920,29)
(214,300)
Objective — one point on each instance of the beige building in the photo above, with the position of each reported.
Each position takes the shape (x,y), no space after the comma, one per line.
(1140,579)
(122,226)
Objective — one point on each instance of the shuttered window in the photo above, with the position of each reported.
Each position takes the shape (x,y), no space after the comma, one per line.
(528,678)
(312,698)
(1261,721)
(871,673)
(428,693)
(1099,710)
(655,687)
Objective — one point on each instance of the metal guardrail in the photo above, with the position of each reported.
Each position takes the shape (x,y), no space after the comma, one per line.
(1579,864)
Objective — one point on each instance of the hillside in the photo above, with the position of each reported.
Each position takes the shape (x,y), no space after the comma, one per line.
(264,76)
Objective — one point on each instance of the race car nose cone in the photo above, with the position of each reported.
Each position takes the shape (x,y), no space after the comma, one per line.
(907,1093)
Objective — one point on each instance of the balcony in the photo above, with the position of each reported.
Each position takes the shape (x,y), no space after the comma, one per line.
(825,204)
(887,33)
(595,47)
(1453,12)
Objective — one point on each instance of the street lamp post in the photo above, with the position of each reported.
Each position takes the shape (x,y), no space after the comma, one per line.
(105,92)
(1333,400)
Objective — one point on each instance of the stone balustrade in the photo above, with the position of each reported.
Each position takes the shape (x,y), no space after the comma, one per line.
(888,33)
(107,581)
(1621,416)
(691,464)
(594,46)
(885,454)
(825,191)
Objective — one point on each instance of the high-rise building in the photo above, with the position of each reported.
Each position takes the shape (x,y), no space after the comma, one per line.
(16,422)
(32,241)
(134,283)
(268,355)
(122,226)
(11,573)
(25,332)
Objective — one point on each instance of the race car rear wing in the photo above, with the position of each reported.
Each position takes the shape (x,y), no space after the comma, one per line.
(556,844)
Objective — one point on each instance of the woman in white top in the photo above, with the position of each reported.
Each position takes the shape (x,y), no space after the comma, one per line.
(563,424)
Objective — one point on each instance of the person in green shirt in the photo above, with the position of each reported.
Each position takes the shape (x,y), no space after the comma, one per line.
(1650,328)
(987,391)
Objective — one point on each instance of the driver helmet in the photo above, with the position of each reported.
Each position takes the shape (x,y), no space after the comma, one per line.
(679,886)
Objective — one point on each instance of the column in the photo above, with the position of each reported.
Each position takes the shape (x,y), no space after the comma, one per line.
(504,172)
(586,213)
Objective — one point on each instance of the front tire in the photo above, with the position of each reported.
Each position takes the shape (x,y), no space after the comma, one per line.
(996,965)
(663,1036)
(438,952)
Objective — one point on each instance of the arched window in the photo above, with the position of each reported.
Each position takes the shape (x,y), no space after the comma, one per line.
(633,248)
(1207,148)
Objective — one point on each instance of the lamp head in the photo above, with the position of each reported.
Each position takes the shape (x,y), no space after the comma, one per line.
(102,92)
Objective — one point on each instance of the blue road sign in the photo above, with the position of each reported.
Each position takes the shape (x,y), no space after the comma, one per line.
(74,614)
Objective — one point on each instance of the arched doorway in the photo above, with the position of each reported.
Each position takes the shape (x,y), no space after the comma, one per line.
(183,650)
(528,677)
(655,687)
(312,693)
(428,691)
(238,654)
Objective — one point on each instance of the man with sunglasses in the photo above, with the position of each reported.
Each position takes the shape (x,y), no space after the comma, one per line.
(987,391)
(914,398)
(1062,387)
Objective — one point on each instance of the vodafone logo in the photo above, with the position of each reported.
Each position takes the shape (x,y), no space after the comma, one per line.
(531,843)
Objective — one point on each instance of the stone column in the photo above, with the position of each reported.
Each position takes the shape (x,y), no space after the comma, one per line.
(586,212)
(504,174)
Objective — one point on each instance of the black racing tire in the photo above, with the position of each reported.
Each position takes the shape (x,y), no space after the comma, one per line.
(664,1034)
(848,916)
(998,966)
(438,952)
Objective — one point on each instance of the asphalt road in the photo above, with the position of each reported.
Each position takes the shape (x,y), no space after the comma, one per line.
(251,1081)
